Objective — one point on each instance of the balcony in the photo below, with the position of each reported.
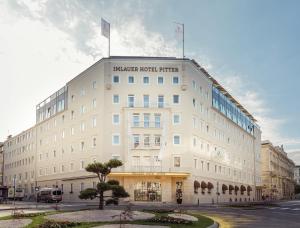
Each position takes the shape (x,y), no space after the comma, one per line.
(146,124)
(148,105)
(145,169)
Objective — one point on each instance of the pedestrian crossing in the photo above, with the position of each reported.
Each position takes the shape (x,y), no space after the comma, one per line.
(283,208)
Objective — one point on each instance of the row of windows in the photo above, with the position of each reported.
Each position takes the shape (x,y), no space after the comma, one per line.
(146,80)
(22,162)
(19,139)
(160,101)
(19,151)
(116,139)
(19,177)
(62,168)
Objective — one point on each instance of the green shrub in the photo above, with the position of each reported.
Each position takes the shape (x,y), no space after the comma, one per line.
(56,224)
(170,220)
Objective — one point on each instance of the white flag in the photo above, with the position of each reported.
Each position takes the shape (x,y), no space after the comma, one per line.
(105,28)
(179,31)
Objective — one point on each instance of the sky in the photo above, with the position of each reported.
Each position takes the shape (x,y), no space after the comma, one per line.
(251,47)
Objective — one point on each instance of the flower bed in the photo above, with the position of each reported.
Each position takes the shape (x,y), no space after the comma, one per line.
(170,220)
(56,224)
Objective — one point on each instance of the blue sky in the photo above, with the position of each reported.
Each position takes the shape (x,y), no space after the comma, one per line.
(251,47)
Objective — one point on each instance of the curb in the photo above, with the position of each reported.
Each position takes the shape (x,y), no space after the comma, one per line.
(215,225)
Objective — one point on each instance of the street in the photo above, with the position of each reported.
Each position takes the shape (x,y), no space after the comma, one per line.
(284,214)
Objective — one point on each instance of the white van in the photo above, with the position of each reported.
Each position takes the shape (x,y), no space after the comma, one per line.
(18,194)
(49,195)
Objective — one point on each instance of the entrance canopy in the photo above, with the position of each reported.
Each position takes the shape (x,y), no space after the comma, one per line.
(139,174)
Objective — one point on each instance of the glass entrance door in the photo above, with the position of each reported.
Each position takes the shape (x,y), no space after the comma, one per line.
(147,191)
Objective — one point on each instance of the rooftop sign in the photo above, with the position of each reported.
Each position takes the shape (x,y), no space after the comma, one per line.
(145,69)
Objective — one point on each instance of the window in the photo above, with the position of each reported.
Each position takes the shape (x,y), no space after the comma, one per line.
(160,101)
(146,140)
(176,119)
(136,140)
(146,80)
(157,120)
(82,126)
(94,142)
(62,168)
(72,115)
(71,166)
(94,103)
(146,120)
(146,101)
(195,163)
(136,120)
(71,188)
(130,101)
(116,139)
(116,119)
(194,142)
(81,186)
(54,169)
(82,109)
(82,92)
(72,149)
(194,84)
(81,164)
(160,80)
(207,166)
(94,121)
(116,99)
(194,122)
(176,161)
(63,134)
(54,153)
(175,80)
(94,84)
(194,102)
(176,139)
(82,146)
(175,99)
(157,140)
(116,79)
(130,79)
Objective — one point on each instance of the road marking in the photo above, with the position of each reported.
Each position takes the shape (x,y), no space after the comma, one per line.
(296,209)
(284,208)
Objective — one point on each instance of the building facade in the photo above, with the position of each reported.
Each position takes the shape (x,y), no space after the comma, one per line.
(297,174)
(176,129)
(277,172)
(1,162)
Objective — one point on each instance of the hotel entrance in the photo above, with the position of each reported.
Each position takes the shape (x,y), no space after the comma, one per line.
(147,191)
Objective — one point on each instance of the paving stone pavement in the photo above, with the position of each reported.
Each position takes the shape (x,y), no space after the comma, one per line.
(97,216)
(15,223)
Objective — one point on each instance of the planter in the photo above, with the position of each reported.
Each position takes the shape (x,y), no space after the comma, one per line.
(179,201)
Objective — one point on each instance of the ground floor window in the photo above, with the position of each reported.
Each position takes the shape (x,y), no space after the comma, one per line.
(147,191)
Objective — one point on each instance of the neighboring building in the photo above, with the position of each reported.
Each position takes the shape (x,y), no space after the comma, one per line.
(1,162)
(277,172)
(297,174)
(175,128)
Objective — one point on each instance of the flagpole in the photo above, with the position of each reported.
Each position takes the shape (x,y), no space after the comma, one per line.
(182,25)
(109,42)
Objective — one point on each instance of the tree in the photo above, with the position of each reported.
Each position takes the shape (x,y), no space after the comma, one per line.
(102,170)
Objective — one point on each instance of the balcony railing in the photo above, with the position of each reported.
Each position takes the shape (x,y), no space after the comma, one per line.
(148,105)
(146,168)
(146,124)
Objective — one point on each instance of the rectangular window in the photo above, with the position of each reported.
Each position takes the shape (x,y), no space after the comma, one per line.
(160,101)
(146,100)
(116,99)
(157,120)
(94,121)
(136,140)
(81,186)
(71,166)
(82,126)
(175,99)
(116,119)
(116,79)
(94,103)
(82,109)
(146,120)
(195,163)
(176,119)
(157,140)
(136,120)
(94,142)
(177,162)
(94,84)
(146,80)
(160,80)
(81,164)
(130,101)
(130,79)
(176,139)
(116,139)
(146,140)
(82,146)
(175,80)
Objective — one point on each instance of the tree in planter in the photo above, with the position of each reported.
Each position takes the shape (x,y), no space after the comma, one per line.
(102,170)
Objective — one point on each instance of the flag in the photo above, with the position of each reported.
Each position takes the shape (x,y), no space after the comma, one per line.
(179,31)
(105,28)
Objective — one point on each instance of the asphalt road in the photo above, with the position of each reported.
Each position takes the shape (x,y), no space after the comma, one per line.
(283,215)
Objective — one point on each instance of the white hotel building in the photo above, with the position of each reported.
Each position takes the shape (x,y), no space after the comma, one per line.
(172,124)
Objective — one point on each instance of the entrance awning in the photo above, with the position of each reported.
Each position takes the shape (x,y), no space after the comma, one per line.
(139,174)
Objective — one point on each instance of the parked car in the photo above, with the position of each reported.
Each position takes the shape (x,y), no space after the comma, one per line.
(17,193)
(49,195)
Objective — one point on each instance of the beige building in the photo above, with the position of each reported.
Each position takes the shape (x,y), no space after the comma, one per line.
(1,163)
(277,172)
(175,128)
